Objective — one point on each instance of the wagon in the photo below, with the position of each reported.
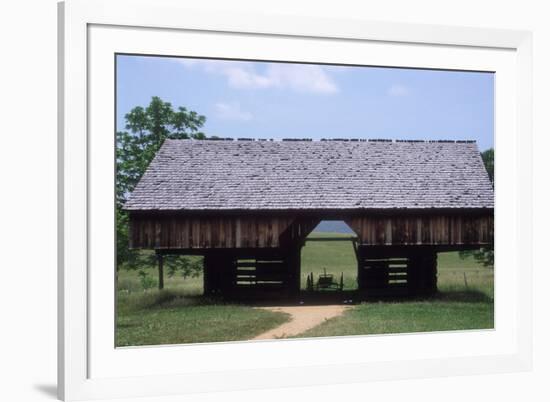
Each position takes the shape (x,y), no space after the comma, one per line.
(325,282)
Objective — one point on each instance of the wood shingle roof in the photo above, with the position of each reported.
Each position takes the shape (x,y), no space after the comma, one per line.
(189,175)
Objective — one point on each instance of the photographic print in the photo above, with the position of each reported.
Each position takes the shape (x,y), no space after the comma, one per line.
(261,200)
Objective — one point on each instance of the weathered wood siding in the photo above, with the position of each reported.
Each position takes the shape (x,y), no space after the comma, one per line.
(397,270)
(297,231)
(180,232)
(423,230)
(184,232)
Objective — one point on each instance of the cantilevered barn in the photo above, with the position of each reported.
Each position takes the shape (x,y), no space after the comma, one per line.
(247,207)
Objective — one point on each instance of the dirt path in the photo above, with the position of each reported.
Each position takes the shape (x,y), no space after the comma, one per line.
(302,319)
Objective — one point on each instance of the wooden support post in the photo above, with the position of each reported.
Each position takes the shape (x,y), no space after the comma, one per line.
(213,271)
(295,283)
(228,273)
(216,271)
(431,280)
(423,273)
(359,254)
(207,275)
(160,259)
(291,266)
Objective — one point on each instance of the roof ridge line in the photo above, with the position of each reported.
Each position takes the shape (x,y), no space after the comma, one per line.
(244,139)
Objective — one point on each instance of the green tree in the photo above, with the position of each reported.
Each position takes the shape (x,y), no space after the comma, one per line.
(146,130)
(488,157)
(485,255)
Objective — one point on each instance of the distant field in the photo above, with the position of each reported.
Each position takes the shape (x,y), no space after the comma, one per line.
(336,257)
(179,314)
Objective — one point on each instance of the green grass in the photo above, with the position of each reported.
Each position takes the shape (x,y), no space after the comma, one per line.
(466,277)
(179,314)
(174,319)
(128,282)
(336,257)
(403,317)
(465,299)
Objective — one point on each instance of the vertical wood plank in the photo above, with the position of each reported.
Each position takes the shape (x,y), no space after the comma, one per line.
(276,232)
(388,228)
(238,233)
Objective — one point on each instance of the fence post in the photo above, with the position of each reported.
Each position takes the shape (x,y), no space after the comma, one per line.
(160,259)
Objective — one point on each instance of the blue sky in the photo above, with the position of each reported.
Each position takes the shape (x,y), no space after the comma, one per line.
(284,100)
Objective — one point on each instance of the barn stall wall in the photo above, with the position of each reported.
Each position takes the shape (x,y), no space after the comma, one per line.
(243,256)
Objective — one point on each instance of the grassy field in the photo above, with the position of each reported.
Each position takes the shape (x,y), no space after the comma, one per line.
(406,317)
(465,299)
(336,257)
(169,317)
(179,314)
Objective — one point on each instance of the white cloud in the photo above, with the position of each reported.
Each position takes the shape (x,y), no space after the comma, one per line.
(302,78)
(231,111)
(244,75)
(397,90)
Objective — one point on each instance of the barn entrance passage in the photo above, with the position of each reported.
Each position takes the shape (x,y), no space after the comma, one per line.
(328,259)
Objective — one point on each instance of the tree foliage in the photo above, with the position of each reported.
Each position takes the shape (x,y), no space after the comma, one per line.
(146,129)
(187,267)
(485,255)
(488,157)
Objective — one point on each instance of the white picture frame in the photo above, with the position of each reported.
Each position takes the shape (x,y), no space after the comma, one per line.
(92,31)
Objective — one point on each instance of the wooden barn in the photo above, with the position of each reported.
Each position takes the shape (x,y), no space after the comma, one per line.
(247,207)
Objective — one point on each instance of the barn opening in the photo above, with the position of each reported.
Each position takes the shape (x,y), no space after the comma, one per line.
(328,258)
